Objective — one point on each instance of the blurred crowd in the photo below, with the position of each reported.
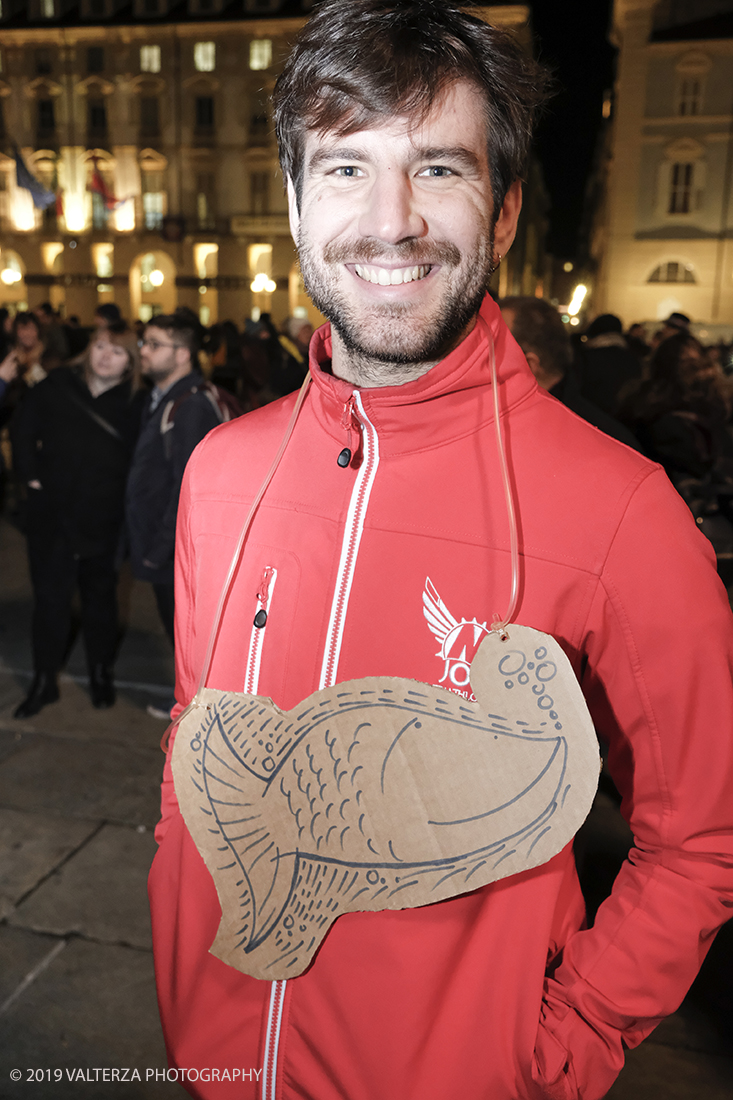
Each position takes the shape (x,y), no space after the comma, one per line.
(98,423)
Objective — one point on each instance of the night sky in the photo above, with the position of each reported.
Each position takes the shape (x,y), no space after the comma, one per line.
(571,37)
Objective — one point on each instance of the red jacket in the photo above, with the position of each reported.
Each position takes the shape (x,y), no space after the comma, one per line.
(349,563)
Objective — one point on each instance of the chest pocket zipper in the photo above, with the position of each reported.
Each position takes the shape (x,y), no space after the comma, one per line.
(263,603)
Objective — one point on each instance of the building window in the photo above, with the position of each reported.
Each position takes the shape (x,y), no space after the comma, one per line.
(97,7)
(95,59)
(97,118)
(673,272)
(44,63)
(150,59)
(260,53)
(259,192)
(99,211)
(680,189)
(690,97)
(205,213)
(204,113)
(204,56)
(149,121)
(46,118)
(154,199)
(48,9)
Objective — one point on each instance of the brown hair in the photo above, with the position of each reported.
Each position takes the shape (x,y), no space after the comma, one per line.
(123,337)
(362,60)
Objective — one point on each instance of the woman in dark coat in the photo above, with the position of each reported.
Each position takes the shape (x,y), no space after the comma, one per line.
(73,438)
(680,412)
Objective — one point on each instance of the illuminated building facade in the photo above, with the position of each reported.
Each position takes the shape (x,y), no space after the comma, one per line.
(664,232)
(151,120)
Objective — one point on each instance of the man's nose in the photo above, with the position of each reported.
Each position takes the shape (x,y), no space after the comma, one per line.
(390,213)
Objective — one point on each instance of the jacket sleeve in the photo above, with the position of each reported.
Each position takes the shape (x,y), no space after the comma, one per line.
(24,434)
(658,653)
(193,419)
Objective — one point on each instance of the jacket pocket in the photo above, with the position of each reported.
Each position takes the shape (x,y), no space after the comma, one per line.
(552,1070)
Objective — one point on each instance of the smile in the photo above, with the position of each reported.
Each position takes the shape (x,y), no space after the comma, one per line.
(395,276)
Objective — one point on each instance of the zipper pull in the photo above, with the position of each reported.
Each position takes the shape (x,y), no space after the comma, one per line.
(263,593)
(351,455)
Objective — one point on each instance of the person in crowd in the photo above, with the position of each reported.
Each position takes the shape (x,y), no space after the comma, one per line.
(227,364)
(380,548)
(538,329)
(73,437)
(177,416)
(607,368)
(54,335)
(680,412)
(636,341)
(106,314)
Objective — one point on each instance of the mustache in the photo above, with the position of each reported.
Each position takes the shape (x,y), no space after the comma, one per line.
(410,252)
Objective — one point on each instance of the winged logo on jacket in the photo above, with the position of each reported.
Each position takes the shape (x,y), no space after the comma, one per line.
(458,639)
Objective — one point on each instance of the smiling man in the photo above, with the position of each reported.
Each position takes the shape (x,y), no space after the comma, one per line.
(382,547)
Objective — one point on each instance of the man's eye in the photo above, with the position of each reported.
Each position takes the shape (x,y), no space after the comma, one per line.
(347,170)
(436,171)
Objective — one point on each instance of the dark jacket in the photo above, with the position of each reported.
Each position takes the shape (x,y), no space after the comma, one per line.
(155,477)
(79,448)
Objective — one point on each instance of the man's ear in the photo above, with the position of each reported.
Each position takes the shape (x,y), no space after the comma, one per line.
(506,224)
(293,212)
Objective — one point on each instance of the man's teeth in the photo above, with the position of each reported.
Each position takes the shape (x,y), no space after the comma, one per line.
(391,276)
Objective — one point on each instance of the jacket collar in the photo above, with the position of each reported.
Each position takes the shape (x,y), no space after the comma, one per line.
(407,417)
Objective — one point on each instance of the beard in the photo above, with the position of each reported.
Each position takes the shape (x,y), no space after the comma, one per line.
(394,332)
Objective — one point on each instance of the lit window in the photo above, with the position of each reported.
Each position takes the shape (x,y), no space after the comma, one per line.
(153,209)
(205,213)
(204,56)
(47,9)
(673,272)
(150,59)
(690,99)
(680,189)
(100,213)
(260,53)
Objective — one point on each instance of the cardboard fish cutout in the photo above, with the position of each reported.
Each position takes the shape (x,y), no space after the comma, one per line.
(381,793)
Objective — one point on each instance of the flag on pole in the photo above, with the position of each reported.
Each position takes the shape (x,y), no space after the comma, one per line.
(24,178)
(98,185)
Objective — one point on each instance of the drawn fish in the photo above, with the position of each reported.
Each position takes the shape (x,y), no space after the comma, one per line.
(380,793)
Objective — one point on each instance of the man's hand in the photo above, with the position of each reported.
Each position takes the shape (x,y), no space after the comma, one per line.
(9,367)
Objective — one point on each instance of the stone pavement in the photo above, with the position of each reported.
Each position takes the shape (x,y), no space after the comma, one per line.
(78,802)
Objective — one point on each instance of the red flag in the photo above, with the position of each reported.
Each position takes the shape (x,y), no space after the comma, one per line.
(97,184)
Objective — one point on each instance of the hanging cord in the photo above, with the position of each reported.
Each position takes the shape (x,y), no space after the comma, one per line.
(234,563)
(499,626)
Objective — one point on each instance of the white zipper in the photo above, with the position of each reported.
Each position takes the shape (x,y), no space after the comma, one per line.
(353,530)
(350,545)
(257,637)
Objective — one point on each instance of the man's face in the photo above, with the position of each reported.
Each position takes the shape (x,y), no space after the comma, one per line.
(160,355)
(394,230)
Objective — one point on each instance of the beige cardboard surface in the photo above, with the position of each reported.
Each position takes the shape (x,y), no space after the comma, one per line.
(381,793)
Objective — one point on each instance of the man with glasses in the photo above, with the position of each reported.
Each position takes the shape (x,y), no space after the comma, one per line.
(176,418)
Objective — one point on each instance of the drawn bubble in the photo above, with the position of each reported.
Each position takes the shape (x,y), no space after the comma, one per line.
(558,725)
(523,678)
(373,877)
(269,747)
(546,671)
(196,744)
(540,653)
(302,927)
(382,880)
(508,683)
(530,665)
(260,742)
(418,725)
(290,933)
(512,663)
(545,702)
(553,714)
(268,763)
(288,921)
(538,689)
